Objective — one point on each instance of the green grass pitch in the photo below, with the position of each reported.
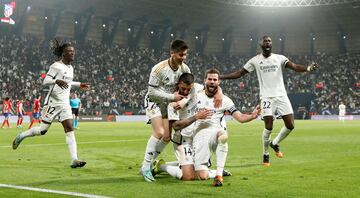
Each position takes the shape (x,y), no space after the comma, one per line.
(321,159)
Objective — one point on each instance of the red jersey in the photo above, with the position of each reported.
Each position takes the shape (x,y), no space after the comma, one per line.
(19,107)
(7,106)
(36,106)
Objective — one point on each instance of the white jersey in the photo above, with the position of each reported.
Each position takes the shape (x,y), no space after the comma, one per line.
(342,108)
(164,79)
(187,111)
(217,120)
(269,74)
(56,94)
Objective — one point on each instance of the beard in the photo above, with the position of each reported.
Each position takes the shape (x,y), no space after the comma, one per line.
(211,89)
(266,49)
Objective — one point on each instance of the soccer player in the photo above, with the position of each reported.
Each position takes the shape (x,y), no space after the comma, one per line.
(342,112)
(163,78)
(20,112)
(182,120)
(57,105)
(211,134)
(273,95)
(6,111)
(75,104)
(36,111)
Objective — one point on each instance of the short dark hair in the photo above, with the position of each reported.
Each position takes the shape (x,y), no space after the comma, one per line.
(7,98)
(37,96)
(187,78)
(58,48)
(212,71)
(178,45)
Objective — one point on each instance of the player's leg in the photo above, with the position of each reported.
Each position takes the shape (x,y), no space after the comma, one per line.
(268,110)
(4,122)
(221,154)
(201,146)
(185,155)
(66,121)
(35,131)
(285,109)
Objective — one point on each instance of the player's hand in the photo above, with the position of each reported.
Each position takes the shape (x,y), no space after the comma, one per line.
(62,84)
(204,114)
(178,97)
(84,86)
(178,105)
(256,112)
(313,67)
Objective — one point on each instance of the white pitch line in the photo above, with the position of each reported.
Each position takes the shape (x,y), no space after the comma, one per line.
(92,142)
(52,191)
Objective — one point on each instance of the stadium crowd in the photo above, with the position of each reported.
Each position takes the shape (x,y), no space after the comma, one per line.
(119,76)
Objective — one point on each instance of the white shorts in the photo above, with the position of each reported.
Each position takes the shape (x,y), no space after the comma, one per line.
(54,111)
(342,113)
(184,152)
(205,142)
(153,110)
(271,105)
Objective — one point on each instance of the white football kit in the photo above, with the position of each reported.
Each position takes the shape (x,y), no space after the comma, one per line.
(342,110)
(162,83)
(273,95)
(182,139)
(57,100)
(206,131)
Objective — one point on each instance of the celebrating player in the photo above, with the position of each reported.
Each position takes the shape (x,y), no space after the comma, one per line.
(211,134)
(57,105)
(273,95)
(163,78)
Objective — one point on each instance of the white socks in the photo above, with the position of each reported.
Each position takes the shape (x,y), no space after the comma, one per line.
(284,132)
(266,141)
(221,154)
(174,171)
(31,132)
(71,142)
(160,145)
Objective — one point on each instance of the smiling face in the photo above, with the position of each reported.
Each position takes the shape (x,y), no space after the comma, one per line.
(179,56)
(69,54)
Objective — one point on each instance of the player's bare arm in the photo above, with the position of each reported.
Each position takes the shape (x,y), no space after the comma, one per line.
(202,114)
(243,118)
(302,68)
(234,75)
(62,84)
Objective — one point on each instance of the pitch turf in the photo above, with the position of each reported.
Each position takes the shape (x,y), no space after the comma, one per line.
(321,159)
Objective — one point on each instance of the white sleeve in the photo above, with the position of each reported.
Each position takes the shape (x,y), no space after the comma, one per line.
(283,60)
(229,106)
(50,76)
(75,83)
(172,113)
(159,93)
(249,66)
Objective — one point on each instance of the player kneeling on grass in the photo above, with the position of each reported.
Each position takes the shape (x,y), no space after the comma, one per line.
(182,120)
(60,80)
(210,134)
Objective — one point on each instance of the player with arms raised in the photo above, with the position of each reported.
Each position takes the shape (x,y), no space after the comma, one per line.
(273,96)
(57,105)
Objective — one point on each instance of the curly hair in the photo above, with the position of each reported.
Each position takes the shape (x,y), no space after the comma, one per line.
(58,48)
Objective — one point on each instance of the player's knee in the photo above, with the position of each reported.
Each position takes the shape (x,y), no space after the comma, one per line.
(222,139)
(290,126)
(269,128)
(188,177)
